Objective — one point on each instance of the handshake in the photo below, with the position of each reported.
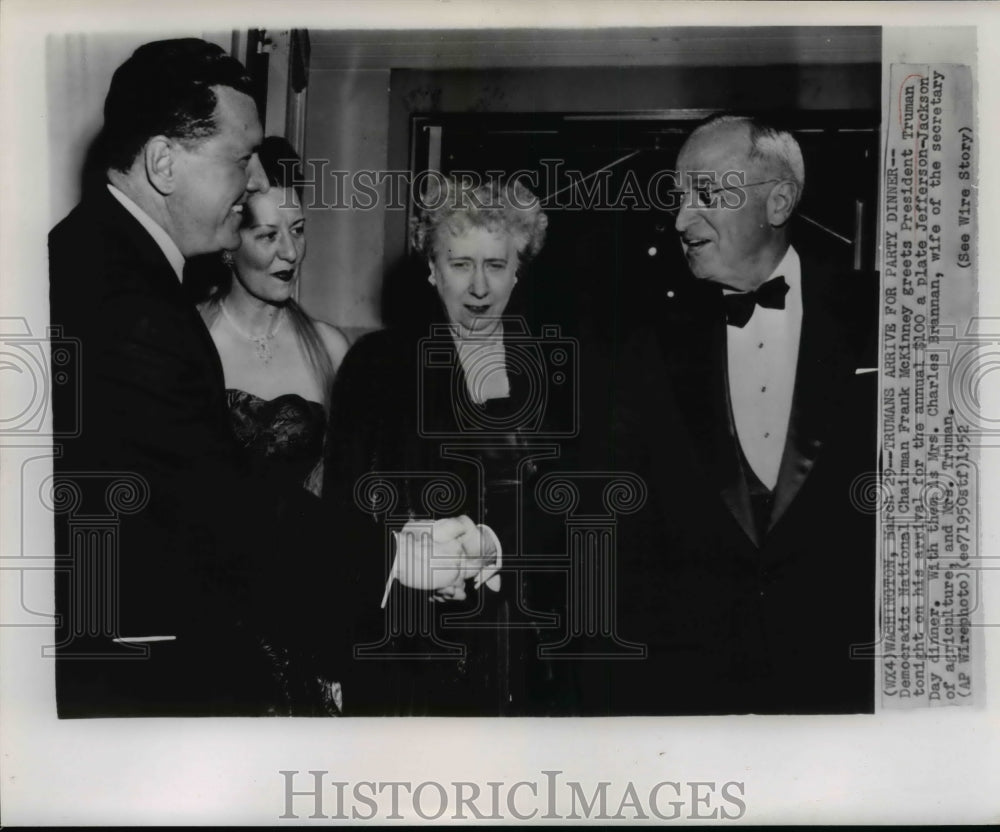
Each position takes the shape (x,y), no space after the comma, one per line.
(441,555)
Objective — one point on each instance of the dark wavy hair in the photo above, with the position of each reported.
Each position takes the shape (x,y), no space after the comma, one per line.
(281,163)
(165,89)
(283,169)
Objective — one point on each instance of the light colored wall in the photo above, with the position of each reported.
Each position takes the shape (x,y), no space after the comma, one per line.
(348,127)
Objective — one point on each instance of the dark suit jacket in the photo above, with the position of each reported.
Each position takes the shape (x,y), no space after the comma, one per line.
(735,621)
(180,537)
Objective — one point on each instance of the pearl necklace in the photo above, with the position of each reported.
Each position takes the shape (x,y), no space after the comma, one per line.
(262,343)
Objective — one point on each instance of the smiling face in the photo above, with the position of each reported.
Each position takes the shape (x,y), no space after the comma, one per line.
(215,176)
(272,245)
(474,272)
(735,247)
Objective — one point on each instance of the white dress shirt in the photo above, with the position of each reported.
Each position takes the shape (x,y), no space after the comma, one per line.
(162,238)
(763,356)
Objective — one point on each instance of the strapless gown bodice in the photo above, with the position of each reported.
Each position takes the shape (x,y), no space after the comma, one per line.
(283,435)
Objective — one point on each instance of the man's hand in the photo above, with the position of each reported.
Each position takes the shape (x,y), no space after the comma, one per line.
(440,554)
(479,543)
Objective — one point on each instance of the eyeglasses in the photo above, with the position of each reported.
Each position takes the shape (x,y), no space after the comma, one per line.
(702,196)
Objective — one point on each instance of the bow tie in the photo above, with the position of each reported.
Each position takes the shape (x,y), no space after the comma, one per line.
(740,305)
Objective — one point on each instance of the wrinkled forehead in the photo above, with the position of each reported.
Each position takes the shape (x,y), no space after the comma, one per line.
(473,241)
(450,232)
(717,150)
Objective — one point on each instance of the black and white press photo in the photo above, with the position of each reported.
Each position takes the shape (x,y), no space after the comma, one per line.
(653,306)
(604,393)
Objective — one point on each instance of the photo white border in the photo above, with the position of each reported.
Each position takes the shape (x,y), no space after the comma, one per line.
(938,765)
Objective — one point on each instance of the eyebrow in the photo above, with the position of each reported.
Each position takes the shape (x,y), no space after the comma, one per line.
(299,221)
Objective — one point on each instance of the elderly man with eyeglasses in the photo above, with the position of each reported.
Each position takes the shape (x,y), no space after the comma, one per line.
(750,413)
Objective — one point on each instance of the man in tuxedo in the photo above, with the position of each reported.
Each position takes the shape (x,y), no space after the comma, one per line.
(160,537)
(750,412)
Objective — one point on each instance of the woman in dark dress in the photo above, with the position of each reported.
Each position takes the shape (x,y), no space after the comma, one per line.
(434,422)
(279,366)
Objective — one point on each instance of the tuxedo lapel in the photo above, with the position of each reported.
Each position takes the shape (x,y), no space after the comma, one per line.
(137,245)
(696,352)
(152,264)
(826,363)
(834,315)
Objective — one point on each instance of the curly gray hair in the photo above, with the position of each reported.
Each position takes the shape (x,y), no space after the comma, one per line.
(457,205)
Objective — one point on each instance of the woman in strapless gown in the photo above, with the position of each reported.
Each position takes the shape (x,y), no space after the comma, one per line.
(279,366)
